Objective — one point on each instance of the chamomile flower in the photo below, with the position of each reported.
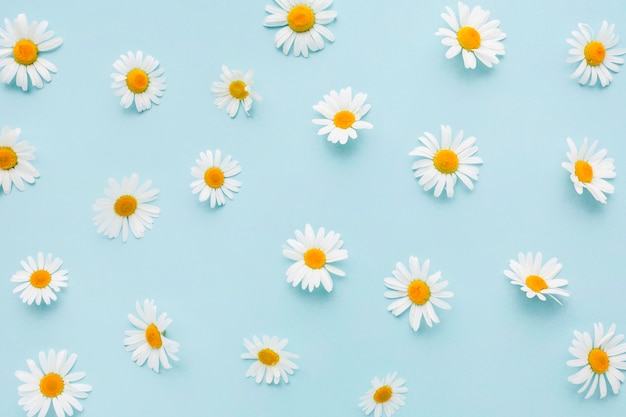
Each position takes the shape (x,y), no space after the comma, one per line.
(270,360)
(126,206)
(138,79)
(385,395)
(597,54)
(214,177)
(149,342)
(303,24)
(40,279)
(589,170)
(342,115)
(234,89)
(535,278)
(313,254)
(443,163)
(20,46)
(50,383)
(473,35)
(602,359)
(14,156)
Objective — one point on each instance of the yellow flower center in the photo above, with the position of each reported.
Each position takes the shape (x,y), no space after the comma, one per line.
(446,161)
(383,394)
(468,38)
(315,258)
(25,52)
(125,205)
(419,292)
(153,336)
(301,18)
(237,89)
(583,171)
(268,357)
(536,283)
(8,158)
(137,80)
(214,177)
(344,119)
(51,385)
(598,360)
(594,53)
(40,278)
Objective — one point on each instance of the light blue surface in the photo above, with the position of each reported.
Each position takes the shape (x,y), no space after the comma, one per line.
(220,274)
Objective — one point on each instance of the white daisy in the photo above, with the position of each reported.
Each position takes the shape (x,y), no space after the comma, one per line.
(385,395)
(597,54)
(313,254)
(444,162)
(125,206)
(601,360)
(416,289)
(138,79)
(40,279)
(20,46)
(14,156)
(589,170)
(303,22)
(342,115)
(270,359)
(215,177)
(149,343)
(535,278)
(235,88)
(51,383)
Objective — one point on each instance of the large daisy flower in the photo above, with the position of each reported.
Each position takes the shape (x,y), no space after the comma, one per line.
(126,207)
(589,170)
(601,360)
(535,278)
(303,22)
(14,156)
(443,163)
(342,115)
(414,288)
(51,383)
(214,177)
(40,279)
(234,89)
(597,54)
(20,45)
(473,35)
(270,360)
(149,342)
(138,79)
(385,395)
(313,254)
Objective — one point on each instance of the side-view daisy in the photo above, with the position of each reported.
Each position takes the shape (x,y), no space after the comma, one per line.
(602,359)
(442,164)
(589,170)
(20,46)
(50,383)
(473,35)
(126,206)
(342,115)
(214,177)
(234,89)
(535,278)
(270,360)
(313,254)
(597,55)
(14,156)
(149,342)
(138,79)
(40,279)
(385,395)
(302,23)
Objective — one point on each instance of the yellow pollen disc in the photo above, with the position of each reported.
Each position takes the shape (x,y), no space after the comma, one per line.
(137,80)
(301,18)
(344,119)
(25,52)
(446,161)
(383,394)
(594,53)
(214,177)
(268,357)
(419,292)
(468,38)
(51,385)
(315,258)
(536,283)
(153,336)
(237,89)
(40,278)
(125,205)
(598,360)
(583,171)
(8,158)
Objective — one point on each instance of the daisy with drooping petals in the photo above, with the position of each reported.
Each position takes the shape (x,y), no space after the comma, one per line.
(303,22)
(535,278)
(385,395)
(601,360)
(14,156)
(342,115)
(271,360)
(234,89)
(138,79)
(149,342)
(215,177)
(126,207)
(50,383)
(40,279)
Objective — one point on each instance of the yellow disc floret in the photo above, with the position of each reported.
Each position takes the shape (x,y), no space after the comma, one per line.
(301,18)
(468,38)
(153,336)
(125,205)
(598,360)
(419,292)
(237,89)
(268,357)
(8,158)
(446,161)
(40,278)
(583,171)
(344,119)
(315,258)
(594,53)
(383,394)
(25,52)
(214,177)
(51,385)
(137,80)
(536,283)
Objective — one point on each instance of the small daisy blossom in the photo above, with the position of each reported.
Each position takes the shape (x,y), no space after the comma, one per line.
(138,79)
(14,156)
(385,395)
(342,115)
(234,89)
(302,24)
(602,359)
(535,278)
(214,177)
(40,279)
(50,383)
(270,360)
(20,46)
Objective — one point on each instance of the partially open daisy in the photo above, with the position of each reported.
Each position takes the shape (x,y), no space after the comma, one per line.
(303,22)
(601,360)
(50,383)
(126,206)
(385,395)
(535,278)
(214,177)
(40,279)
(14,156)
(234,89)
(20,46)
(342,115)
(597,54)
(270,360)
(138,79)
(149,342)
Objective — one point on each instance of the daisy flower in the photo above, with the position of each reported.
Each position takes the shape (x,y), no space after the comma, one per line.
(14,156)
(270,359)
(589,170)
(535,278)
(601,360)
(385,395)
(138,79)
(126,206)
(342,115)
(149,342)
(443,163)
(215,177)
(235,88)
(416,289)
(51,383)
(302,23)
(40,279)
(313,254)
(597,54)
(473,35)
(20,45)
